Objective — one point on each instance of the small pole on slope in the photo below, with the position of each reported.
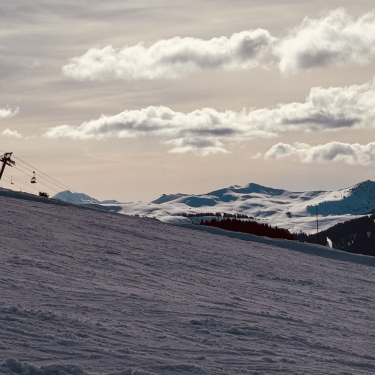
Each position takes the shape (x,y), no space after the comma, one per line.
(317,225)
(6,160)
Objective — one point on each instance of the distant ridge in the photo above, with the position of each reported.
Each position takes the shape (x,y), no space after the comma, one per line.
(80,198)
(287,209)
(168,197)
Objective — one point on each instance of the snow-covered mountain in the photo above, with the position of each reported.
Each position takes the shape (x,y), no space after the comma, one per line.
(85,292)
(291,210)
(80,198)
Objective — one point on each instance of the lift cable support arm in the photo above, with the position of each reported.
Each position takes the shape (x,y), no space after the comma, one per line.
(6,160)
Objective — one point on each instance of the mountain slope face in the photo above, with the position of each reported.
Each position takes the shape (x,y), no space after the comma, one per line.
(80,198)
(86,292)
(355,236)
(291,210)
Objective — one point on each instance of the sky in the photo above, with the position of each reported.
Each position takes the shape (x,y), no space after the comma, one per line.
(128,100)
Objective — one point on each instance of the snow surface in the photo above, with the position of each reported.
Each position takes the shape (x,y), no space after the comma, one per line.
(70,197)
(291,210)
(88,292)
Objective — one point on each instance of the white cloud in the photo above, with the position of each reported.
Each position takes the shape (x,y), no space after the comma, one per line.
(11,133)
(204,130)
(199,146)
(333,151)
(8,112)
(335,39)
(198,131)
(171,58)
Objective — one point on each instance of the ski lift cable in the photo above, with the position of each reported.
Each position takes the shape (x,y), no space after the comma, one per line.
(39,177)
(56,191)
(58,183)
(44,178)
(24,183)
(42,174)
(47,186)
(21,182)
(19,187)
(29,171)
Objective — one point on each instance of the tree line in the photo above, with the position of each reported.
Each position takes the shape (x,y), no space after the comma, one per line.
(217,214)
(249,227)
(355,236)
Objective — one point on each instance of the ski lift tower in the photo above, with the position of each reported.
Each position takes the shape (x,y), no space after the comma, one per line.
(6,160)
(317,224)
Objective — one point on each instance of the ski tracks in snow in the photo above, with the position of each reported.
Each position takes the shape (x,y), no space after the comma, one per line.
(109,294)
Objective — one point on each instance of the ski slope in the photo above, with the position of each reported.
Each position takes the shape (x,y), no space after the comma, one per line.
(89,292)
(290,210)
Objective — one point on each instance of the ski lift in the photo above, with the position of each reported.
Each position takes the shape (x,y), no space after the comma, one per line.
(11,181)
(33,179)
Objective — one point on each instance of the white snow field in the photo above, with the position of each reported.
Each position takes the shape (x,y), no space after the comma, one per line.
(89,292)
(290,210)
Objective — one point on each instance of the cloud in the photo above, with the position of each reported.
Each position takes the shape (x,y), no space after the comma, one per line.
(198,131)
(170,58)
(335,39)
(334,151)
(8,112)
(11,133)
(197,146)
(324,109)
(203,131)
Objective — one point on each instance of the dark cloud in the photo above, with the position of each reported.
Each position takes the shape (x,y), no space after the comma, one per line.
(324,120)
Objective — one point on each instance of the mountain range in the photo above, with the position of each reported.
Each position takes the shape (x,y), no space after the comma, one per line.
(295,211)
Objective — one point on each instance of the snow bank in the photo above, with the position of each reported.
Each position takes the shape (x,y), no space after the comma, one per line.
(176,220)
(306,248)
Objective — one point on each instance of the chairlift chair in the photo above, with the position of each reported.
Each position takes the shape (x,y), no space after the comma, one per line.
(33,179)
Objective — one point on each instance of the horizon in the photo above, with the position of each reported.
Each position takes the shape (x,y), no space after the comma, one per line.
(132,101)
(226,187)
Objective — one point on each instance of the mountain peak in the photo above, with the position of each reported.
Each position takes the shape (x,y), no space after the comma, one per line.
(80,198)
(362,189)
(247,189)
(168,197)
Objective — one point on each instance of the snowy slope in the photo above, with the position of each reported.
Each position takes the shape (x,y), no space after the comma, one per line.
(80,198)
(291,210)
(99,293)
